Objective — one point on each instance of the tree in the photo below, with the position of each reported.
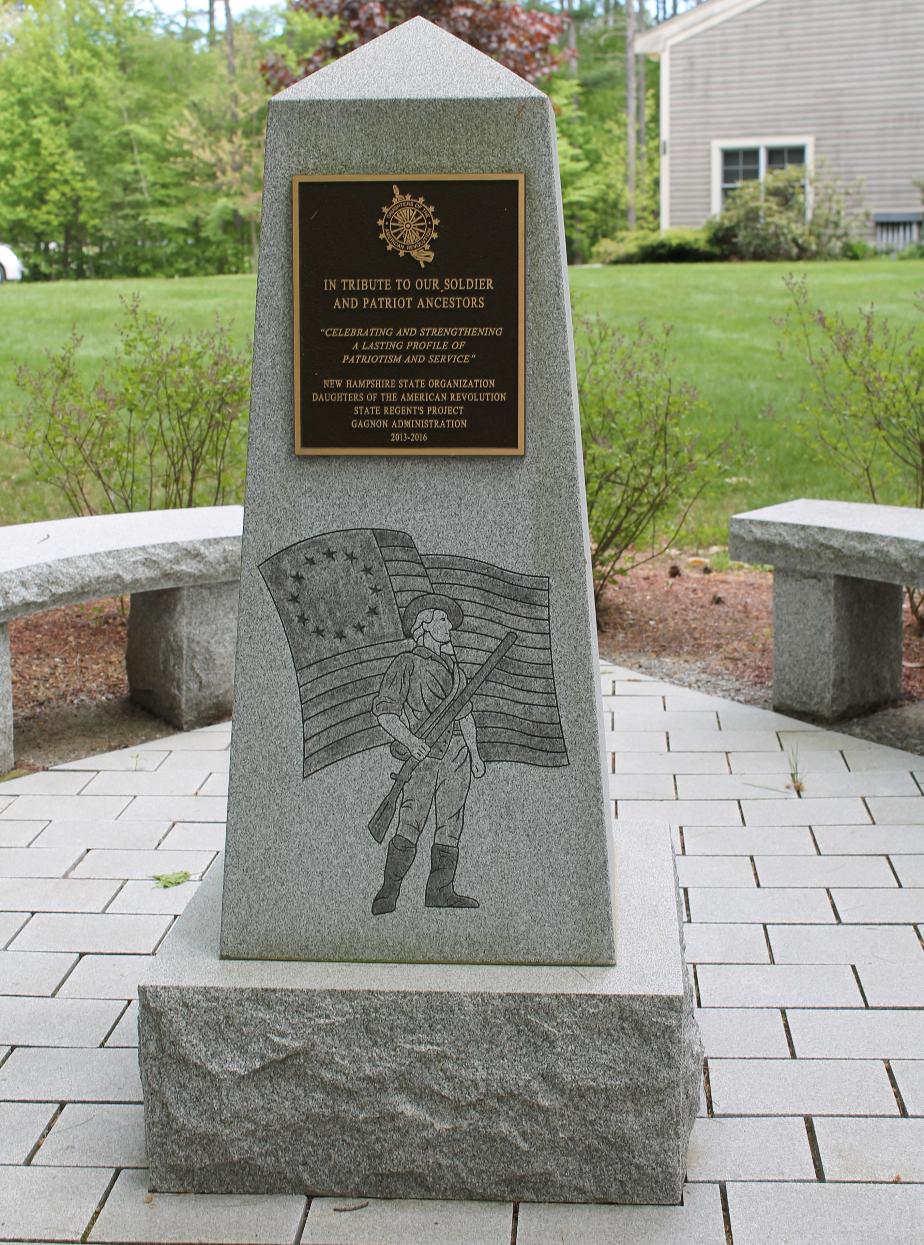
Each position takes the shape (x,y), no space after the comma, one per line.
(664,10)
(219,141)
(522,39)
(117,129)
(592,168)
(631,112)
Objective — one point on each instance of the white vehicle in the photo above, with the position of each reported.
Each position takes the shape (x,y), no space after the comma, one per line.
(10,267)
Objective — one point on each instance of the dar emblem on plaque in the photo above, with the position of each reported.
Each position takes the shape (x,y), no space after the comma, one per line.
(408,226)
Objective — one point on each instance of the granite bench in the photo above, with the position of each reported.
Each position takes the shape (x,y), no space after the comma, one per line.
(839,568)
(181,569)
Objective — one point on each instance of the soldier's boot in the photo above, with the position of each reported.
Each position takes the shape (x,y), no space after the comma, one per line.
(401,853)
(440,884)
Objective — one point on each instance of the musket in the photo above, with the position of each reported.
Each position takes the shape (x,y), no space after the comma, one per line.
(434,726)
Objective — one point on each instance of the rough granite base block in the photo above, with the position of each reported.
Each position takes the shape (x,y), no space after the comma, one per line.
(428,1081)
(837,648)
(6,702)
(180,655)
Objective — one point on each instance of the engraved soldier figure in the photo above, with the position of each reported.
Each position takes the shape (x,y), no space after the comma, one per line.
(416,684)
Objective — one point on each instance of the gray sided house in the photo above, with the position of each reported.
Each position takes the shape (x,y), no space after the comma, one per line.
(749,86)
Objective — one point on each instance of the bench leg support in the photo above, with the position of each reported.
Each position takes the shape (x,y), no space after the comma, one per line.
(837,645)
(180,656)
(6,702)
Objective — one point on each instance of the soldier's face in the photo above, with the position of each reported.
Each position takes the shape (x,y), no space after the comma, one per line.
(440,627)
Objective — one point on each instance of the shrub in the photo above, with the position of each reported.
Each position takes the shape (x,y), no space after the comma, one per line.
(770,220)
(915,251)
(857,248)
(865,399)
(644,462)
(163,424)
(642,246)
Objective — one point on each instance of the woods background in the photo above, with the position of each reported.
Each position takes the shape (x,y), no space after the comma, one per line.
(132,140)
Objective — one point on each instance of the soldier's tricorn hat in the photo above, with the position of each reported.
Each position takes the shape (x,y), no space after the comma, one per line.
(431,601)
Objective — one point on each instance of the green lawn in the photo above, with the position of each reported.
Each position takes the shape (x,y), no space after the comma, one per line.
(724,341)
(35,318)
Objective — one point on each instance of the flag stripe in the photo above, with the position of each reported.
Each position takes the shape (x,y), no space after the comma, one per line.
(458,584)
(399,551)
(369,667)
(486,596)
(343,748)
(405,589)
(315,701)
(503,618)
(385,536)
(517,699)
(499,734)
(490,633)
(351,659)
(548,727)
(516,712)
(340,730)
(537,665)
(353,707)
(486,705)
(498,751)
(447,561)
(410,583)
(403,566)
(337,693)
(520,686)
(413,585)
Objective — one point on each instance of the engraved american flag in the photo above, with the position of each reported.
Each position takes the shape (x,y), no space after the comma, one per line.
(340,598)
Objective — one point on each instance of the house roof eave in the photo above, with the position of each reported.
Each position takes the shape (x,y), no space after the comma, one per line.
(687,25)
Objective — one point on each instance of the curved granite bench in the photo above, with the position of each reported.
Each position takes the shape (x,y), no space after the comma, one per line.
(839,568)
(181,568)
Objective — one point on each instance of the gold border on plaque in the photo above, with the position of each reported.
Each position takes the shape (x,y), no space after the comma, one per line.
(470,451)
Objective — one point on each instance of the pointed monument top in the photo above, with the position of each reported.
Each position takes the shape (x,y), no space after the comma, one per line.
(416,60)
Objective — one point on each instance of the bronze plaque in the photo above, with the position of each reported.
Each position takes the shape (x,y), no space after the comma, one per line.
(409,314)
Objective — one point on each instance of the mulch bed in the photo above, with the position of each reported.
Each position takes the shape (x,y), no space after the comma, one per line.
(70,656)
(720,621)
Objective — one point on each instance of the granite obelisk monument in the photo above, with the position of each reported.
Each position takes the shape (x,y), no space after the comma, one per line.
(438,973)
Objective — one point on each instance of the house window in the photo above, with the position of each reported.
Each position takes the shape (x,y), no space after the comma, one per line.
(752,160)
(740,164)
(785,158)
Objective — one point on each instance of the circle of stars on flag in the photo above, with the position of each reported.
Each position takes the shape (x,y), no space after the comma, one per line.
(373,610)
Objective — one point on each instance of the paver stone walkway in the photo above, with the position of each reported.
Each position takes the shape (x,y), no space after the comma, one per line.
(800,855)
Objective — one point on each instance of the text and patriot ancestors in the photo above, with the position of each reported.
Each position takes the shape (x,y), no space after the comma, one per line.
(422,356)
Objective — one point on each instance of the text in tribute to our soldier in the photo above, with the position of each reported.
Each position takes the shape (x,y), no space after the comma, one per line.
(409,314)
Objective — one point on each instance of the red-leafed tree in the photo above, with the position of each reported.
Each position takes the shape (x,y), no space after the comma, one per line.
(525,40)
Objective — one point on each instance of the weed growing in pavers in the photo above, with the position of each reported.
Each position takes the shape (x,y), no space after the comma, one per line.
(796,782)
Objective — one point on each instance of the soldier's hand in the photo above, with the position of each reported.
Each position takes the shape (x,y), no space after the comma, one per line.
(418,749)
(477,767)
